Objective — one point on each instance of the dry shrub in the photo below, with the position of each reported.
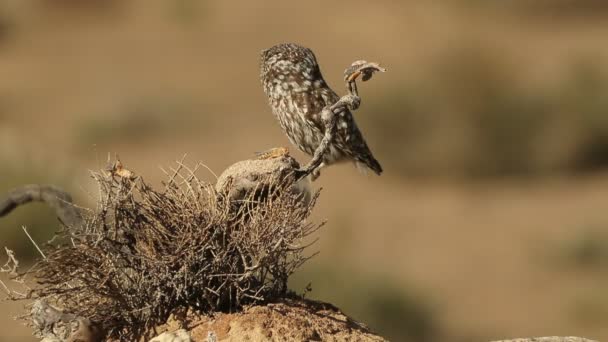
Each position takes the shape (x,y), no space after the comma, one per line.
(145,254)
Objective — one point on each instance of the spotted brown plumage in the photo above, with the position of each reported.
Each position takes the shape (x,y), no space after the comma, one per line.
(298,94)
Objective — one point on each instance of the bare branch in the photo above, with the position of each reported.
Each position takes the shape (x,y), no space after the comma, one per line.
(33,242)
(56,198)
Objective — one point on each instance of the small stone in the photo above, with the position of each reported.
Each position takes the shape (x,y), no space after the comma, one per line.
(180,335)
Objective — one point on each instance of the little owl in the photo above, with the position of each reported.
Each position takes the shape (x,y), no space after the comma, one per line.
(304,105)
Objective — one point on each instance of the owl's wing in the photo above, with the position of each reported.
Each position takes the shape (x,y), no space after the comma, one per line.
(312,103)
(348,136)
(350,139)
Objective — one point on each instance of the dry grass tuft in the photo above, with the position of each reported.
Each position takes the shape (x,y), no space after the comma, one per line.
(144,254)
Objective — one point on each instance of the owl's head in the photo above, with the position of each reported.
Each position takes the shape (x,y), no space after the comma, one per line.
(288,62)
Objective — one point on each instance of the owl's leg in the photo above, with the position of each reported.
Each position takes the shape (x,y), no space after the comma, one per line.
(330,120)
(329,116)
(316,172)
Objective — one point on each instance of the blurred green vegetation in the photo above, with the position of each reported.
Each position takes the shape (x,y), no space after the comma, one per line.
(472,120)
(588,249)
(585,96)
(2,110)
(187,12)
(80,4)
(590,308)
(145,120)
(396,312)
(7,26)
(563,8)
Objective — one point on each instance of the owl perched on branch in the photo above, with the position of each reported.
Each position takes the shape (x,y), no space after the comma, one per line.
(314,117)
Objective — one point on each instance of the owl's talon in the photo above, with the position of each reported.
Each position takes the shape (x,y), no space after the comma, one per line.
(348,101)
(300,174)
(315,174)
(303,173)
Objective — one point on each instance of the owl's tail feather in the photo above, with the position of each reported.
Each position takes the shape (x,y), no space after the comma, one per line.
(369,163)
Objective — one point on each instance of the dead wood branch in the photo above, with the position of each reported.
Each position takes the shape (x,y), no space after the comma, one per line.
(53,196)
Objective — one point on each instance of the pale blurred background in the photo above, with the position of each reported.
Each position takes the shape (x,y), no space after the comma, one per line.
(490,220)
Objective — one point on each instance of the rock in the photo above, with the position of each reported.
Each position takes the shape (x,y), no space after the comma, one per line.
(56,326)
(238,181)
(549,339)
(288,320)
(180,335)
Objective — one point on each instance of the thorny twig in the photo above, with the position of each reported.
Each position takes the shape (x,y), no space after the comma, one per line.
(11,268)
